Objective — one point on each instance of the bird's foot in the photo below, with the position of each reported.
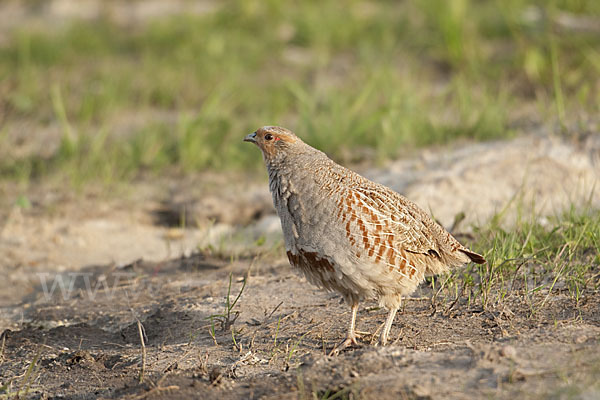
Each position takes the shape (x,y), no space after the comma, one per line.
(350,341)
(383,340)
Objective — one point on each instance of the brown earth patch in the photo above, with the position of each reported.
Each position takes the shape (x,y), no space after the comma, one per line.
(274,342)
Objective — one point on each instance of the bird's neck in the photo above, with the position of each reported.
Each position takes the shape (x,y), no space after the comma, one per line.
(294,169)
(278,172)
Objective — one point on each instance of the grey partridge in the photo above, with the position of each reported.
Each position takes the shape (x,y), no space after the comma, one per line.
(349,234)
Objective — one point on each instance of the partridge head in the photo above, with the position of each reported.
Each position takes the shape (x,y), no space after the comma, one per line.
(274,141)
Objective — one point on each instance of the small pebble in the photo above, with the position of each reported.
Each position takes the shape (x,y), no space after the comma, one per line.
(508,351)
(581,339)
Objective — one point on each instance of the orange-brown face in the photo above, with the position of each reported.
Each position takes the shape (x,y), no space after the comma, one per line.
(271,139)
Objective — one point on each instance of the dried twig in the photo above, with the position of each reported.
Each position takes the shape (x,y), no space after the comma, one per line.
(273,312)
(4,335)
(157,389)
(143,367)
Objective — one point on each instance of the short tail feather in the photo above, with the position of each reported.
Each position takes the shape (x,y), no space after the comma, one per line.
(476,258)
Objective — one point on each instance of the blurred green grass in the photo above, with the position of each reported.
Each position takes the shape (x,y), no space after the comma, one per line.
(179,93)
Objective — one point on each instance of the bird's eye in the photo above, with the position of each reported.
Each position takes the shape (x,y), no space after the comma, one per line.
(268,136)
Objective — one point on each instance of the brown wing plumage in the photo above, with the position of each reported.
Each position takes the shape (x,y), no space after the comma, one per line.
(389,229)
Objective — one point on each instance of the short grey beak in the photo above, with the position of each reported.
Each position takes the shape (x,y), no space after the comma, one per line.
(250,138)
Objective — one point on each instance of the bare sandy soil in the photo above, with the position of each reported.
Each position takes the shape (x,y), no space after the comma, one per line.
(86,343)
(82,271)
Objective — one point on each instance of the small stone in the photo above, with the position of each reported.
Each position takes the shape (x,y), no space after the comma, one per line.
(508,351)
(581,339)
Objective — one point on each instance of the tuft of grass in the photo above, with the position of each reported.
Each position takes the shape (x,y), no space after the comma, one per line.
(537,258)
(29,377)
(291,351)
(228,317)
(179,93)
(347,392)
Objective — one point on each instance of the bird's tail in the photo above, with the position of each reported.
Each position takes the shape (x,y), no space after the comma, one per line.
(451,260)
(476,258)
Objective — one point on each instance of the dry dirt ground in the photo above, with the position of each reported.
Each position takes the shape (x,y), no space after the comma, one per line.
(88,279)
(276,340)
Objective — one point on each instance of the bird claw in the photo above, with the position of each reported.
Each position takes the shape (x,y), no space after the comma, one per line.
(383,341)
(350,341)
